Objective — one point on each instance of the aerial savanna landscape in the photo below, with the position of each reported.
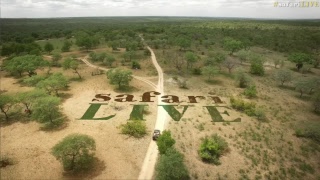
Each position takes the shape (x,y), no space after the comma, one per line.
(159,93)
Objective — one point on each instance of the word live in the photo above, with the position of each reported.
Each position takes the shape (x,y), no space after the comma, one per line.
(138,109)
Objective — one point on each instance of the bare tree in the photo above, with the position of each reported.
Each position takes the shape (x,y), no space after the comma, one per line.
(230,63)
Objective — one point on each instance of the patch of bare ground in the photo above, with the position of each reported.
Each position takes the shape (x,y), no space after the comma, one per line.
(118,156)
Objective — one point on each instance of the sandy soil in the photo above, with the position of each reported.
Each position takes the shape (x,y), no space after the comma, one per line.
(121,156)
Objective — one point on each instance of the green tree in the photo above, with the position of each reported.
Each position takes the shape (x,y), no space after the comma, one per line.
(6,103)
(210,71)
(70,63)
(232,45)
(256,65)
(129,55)
(33,80)
(165,141)
(219,59)
(300,59)
(304,85)
(171,166)
(119,76)
(26,63)
(48,47)
(283,75)
(183,43)
(46,110)
(243,55)
(114,45)
(54,83)
(86,41)
(29,98)
(66,46)
(75,152)
(109,60)
(191,59)
(212,148)
(134,128)
(55,58)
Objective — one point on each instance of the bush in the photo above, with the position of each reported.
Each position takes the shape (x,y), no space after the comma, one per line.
(134,128)
(250,92)
(260,114)
(240,105)
(243,79)
(182,83)
(135,65)
(212,148)
(76,152)
(171,166)
(257,68)
(165,141)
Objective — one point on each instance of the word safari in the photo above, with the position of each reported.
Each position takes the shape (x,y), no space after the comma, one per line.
(170,104)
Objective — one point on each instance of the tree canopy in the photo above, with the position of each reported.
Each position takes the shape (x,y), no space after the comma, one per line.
(70,63)
(75,152)
(53,84)
(27,63)
(232,45)
(165,141)
(119,76)
(171,166)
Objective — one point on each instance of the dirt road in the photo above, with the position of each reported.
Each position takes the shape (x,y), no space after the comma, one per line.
(105,69)
(150,160)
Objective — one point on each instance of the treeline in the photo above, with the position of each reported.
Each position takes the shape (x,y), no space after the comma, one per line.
(282,36)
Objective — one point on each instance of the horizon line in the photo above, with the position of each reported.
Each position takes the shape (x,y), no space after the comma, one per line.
(212,17)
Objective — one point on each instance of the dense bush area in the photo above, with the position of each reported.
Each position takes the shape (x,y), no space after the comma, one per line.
(212,148)
(134,128)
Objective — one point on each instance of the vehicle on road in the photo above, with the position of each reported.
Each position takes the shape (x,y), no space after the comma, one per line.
(156,134)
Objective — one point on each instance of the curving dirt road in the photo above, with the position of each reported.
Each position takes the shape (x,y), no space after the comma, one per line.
(105,69)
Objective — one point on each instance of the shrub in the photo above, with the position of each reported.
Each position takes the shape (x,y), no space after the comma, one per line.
(257,68)
(243,79)
(75,151)
(171,166)
(182,83)
(240,105)
(212,148)
(250,91)
(165,141)
(134,128)
(135,65)
(260,114)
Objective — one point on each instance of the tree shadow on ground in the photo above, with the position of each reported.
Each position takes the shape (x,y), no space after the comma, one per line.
(126,89)
(214,82)
(286,87)
(98,167)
